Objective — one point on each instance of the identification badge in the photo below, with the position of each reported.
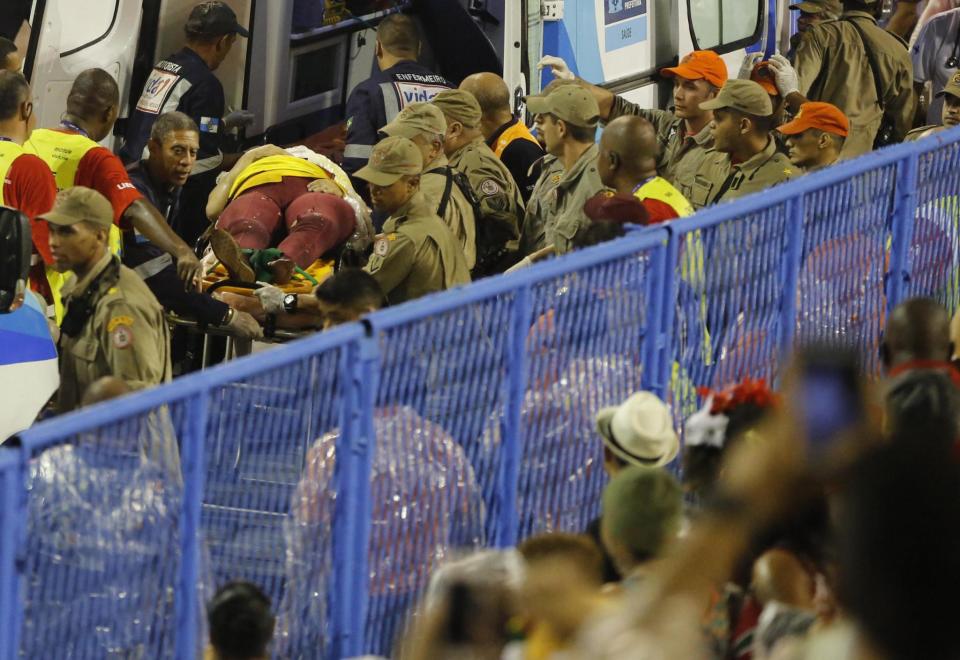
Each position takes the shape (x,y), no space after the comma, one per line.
(155,92)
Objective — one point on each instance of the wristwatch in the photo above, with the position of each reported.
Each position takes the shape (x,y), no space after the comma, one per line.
(290,303)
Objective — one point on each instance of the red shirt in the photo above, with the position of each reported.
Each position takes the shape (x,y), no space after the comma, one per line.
(29,187)
(103,171)
(658,211)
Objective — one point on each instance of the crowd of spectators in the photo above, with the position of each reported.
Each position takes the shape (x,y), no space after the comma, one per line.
(795,531)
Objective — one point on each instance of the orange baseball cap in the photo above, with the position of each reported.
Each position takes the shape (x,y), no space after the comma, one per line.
(823,116)
(762,75)
(700,65)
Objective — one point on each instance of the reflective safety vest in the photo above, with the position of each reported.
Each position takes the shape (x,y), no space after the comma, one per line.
(272,169)
(662,190)
(692,272)
(62,152)
(518,131)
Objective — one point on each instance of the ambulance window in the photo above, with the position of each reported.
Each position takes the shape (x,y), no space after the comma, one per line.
(725,25)
(316,72)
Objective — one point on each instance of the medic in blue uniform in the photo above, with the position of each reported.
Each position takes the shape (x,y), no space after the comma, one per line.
(400,81)
(185,82)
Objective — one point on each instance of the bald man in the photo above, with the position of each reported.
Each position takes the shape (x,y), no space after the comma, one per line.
(922,387)
(917,334)
(510,139)
(73,154)
(629,150)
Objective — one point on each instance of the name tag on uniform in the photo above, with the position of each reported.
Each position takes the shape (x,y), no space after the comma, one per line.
(155,92)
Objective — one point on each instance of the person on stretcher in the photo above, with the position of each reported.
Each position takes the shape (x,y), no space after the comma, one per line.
(280,210)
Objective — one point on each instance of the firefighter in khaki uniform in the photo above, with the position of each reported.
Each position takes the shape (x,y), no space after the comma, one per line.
(745,157)
(424,125)
(684,134)
(949,115)
(417,254)
(857,66)
(113,325)
(498,193)
(567,118)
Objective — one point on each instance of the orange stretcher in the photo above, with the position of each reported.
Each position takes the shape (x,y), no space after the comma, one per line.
(218,280)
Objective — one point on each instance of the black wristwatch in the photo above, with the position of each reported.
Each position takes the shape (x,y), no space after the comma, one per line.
(290,303)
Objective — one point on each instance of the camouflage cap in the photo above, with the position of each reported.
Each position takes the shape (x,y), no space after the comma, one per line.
(830,7)
(417,119)
(642,507)
(571,103)
(459,105)
(77,204)
(952,87)
(391,159)
(743,95)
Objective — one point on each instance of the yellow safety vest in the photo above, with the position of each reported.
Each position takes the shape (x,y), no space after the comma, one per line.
(518,131)
(272,169)
(692,271)
(62,152)
(662,190)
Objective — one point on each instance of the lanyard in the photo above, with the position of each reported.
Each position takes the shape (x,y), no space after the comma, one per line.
(642,184)
(70,126)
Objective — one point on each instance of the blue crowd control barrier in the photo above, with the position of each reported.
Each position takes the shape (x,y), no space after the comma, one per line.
(339,471)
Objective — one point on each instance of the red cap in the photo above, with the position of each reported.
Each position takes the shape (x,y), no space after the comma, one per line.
(762,75)
(700,65)
(823,116)
(615,207)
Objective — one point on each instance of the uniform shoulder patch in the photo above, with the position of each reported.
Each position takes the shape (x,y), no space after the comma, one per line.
(382,246)
(490,187)
(121,337)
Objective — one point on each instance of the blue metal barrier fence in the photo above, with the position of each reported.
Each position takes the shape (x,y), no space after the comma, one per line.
(338,471)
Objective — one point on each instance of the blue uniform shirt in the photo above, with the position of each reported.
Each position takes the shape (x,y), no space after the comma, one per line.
(181,82)
(377,100)
(166,200)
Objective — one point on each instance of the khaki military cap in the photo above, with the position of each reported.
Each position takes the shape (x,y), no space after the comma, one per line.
(571,103)
(952,87)
(743,95)
(391,159)
(831,7)
(417,119)
(459,105)
(77,204)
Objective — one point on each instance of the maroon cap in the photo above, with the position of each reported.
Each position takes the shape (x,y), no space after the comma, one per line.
(616,207)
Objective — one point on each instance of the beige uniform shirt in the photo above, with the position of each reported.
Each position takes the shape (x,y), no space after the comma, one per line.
(719,179)
(680,154)
(126,335)
(832,66)
(458,215)
(417,254)
(555,211)
(492,182)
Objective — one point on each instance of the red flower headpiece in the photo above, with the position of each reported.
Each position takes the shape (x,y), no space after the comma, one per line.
(748,390)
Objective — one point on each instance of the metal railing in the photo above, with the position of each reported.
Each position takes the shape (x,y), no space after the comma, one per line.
(339,470)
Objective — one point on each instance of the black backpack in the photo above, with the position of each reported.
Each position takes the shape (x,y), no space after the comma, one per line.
(492,234)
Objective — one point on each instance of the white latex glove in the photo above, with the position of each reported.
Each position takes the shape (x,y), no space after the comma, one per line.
(245,326)
(749,61)
(558,67)
(271,298)
(238,118)
(523,263)
(785,76)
